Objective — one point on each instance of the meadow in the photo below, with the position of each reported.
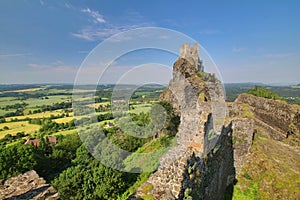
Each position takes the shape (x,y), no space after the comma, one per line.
(17,127)
(25,109)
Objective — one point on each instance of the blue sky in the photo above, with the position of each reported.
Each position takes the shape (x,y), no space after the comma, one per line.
(250,41)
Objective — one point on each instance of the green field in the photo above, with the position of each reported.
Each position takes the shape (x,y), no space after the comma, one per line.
(38,97)
(65,132)
(38,115)
(3,112)
(51,100)
(5,101)
(34,102)
(141,108)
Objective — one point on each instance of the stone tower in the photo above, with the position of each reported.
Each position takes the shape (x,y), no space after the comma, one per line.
(191,54)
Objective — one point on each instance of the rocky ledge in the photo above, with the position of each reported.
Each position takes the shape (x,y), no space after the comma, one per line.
(27,186)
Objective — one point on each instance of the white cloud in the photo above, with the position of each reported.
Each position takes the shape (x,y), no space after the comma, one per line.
(53,67)
(37,66)
(96,16)
(15,55)
(239,49)
(92,34)
(68,5)
(101,29)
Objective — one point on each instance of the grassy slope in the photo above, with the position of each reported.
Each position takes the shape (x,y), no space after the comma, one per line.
(272,172)
(141,108)
(15,127)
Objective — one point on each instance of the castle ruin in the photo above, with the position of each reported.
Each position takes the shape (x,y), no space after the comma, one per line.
(191,54)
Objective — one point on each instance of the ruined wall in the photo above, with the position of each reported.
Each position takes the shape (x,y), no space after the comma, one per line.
(194,99)
(278,115)
(182,174)
(217,170)
(201,106)
(242,138)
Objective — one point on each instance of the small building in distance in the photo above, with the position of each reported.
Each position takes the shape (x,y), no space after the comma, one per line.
(36,142)
(52,139)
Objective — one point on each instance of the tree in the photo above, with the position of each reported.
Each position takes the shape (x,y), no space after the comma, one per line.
(263,92)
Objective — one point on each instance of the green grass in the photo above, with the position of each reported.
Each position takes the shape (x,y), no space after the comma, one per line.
(66,132)
(141,108)
(152,151)
(5,101)
(272,172)
(147,197)
(34,102)
(52,99)
(142,178)
(3,112)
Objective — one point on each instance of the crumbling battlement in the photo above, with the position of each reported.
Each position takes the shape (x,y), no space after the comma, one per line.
(191,54)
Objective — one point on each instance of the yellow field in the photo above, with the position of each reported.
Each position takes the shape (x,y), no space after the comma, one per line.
(25,90)
(15,127)
(39,115)
(96,105)
(63,120)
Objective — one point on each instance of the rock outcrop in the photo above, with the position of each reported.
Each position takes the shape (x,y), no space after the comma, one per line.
(27,186)
(278,119)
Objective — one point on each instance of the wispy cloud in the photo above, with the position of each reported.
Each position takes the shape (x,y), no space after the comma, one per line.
(101,29)
(68,5)
(42,2)
(15,55)
(95,15)
(94,33)
(53,67)
(239,49)
(38,66)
